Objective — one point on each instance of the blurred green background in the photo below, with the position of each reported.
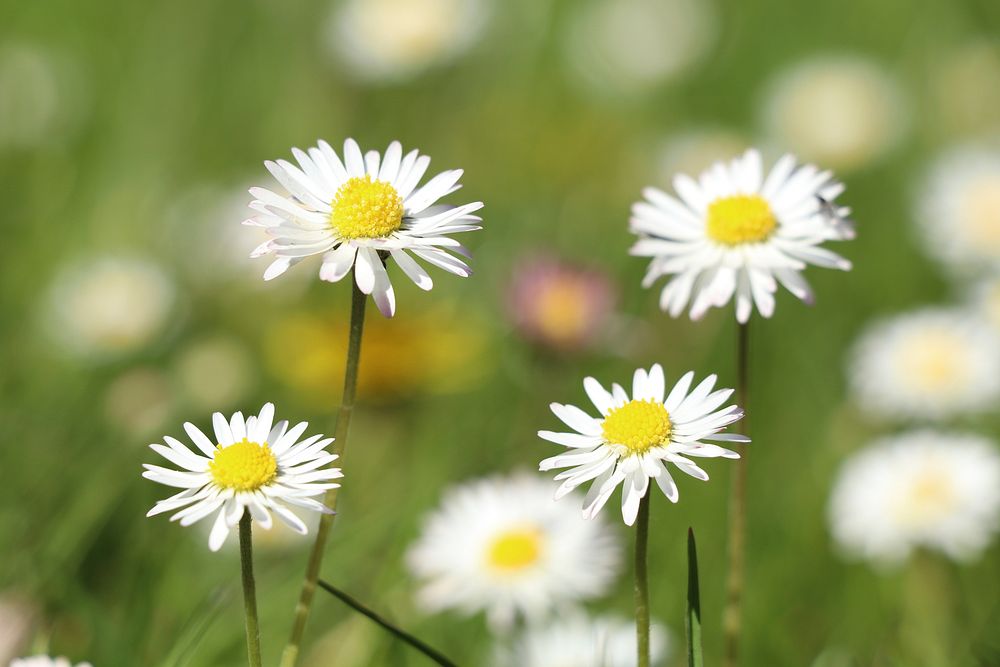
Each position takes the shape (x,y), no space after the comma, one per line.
(132,129)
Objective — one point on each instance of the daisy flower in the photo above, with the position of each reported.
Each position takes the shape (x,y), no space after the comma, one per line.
(45,661)
(579,641)
(502,545)
(735,234)
(359,213)
(930,364)
(930,489)
(250,466)
(634,438)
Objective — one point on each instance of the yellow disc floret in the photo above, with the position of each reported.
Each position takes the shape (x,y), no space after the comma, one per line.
(243,466)
(364,208)
(740,219)
(638,425)
(515,549)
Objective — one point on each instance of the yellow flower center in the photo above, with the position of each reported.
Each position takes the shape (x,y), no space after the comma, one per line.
(638,425)
(740,219)
(364,208)
(561,311)
(243,466)
(981,210)
(933,360)
(515,549)
(928,498)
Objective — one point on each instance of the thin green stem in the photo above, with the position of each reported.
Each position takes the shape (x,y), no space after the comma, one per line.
(249,590)
(642,582)
(732,620)
(358,300)
(398,633)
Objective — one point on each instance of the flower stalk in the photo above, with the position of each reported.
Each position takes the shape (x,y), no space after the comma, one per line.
(642,582)
(249,591)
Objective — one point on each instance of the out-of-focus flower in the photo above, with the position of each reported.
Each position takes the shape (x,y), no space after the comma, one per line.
(630,46)
(930,364)
(254,468)
(964,84)
(695,151)
(634,438)
(17,616)
(503,546)
(929,489)
(559,305)
(46,661)
(734,234)
(959,208)
(391,40)
(215,371)
(579,641)
(842,111)
(434,351)
(360,213)
(109,306)
(986,299)
(139,400)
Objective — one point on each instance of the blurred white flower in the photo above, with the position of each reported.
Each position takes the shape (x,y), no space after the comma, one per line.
(139,401)
(927,365)
(930,489)
(964,84)
(634,439)
(736,233)
(579,641)
(959,208)
(503,546)
(841,111)
(17,616)
(986,299)
(45,661)
(109,306)
(390,40)
(694,151)
(630,46)
(215,371)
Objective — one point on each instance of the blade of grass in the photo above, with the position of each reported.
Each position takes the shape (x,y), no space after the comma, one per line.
(195,629)
(693,621)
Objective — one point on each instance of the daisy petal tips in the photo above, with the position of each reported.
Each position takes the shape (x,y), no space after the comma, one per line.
(360,212)
(252,465)
(633,439)
(736,234)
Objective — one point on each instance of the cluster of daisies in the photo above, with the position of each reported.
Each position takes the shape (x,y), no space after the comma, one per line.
(933,486)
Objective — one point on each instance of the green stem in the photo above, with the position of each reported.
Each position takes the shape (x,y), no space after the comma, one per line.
(642,582)
(358,300)
(733,616)
(249,590)
(399,633)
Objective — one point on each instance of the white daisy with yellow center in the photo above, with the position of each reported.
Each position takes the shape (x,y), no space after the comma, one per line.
(927,365)
(735,235)
(250,466)
(45,661)
(634,438)
(502,545)
(924,489)
(360,213)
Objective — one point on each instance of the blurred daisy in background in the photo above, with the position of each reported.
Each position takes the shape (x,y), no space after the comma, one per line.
(560,305)
(17,619)
(695,150)
(986,298)
(926,365)
(959,208)
(634,438)
(391,40)
(839,110)
(257,467)
(501,545)
(217,370)
(46,661)
(109,306)
(139,400)
(578,641)
(361,212)
(631,46)
(735,234)
(926,489)
(964,85)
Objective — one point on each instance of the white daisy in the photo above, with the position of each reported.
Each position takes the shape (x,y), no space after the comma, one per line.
(929,489)
(361,212)
(578,641)
(250,467)
(735,233)
(930,364)
(633,439)
(502,545)
(45,661)
(959,208)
